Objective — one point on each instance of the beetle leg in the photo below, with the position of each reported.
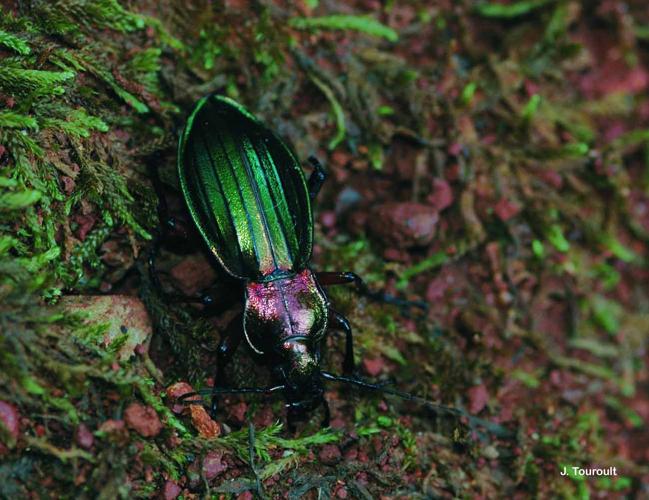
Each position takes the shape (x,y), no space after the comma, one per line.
(229,342)
(317,177)
(338,321)
(327,414)
(343,278)
(290,422)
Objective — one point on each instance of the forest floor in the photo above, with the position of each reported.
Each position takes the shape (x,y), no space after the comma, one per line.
(490,159)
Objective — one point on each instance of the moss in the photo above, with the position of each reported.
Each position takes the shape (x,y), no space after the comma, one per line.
(89,89)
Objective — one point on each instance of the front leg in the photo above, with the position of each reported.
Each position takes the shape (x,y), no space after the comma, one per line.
(343,278)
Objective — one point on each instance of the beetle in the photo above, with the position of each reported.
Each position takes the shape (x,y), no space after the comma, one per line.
(252,204)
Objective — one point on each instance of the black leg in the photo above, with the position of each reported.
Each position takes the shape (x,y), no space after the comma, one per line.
(317,178)
(343,278)
(327,414)
(339,322)
(227,347)
(290,421)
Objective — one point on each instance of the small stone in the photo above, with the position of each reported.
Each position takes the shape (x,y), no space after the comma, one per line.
(404,225)
(174,392)
(11,420)
(373,366)
(506,209)
(84,437)
(490,452)
(205,426)
(85,224)
(193,274)
(478,398)
(328,219)
(213,464)
(455,149)
(442,195)
(143,419)
(171,490)
(330,454)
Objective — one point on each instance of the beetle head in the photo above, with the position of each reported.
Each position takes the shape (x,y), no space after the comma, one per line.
(299,372)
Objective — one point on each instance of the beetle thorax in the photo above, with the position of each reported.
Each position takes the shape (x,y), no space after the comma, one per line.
(283,309)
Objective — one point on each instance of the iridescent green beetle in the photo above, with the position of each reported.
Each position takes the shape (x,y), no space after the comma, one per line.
(249,199)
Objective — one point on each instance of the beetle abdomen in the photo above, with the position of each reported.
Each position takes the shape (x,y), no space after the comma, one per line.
(245,191)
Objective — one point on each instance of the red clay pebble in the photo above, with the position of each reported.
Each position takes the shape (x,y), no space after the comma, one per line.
(11,419)
(373,366)
(246,495)
(171,490)
(213,464)
(203,423)
(175,391)
(143,420)
(329,454)
(84,437)
(328,219)
(478,398)
(193,274)
(506,209)
(404,225)
(442,195)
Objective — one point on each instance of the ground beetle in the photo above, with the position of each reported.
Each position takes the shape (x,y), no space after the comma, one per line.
(249,199)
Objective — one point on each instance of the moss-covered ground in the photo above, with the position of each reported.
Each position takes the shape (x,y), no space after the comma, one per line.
(490,159)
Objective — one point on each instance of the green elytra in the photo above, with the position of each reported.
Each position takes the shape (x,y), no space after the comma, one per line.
(246,192)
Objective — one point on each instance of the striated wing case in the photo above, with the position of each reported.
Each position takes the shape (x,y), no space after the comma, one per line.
(245,191)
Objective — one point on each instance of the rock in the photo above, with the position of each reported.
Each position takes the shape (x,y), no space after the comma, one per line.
(174,392)
(10,418)
(373,366)
(205,426)
(330,454)
(403,225)
(85,224)
(171,490)
(213,464)
(478,398)
(328,219)
(193,274)
(124,314)
(442,195)
(143,419)
(84,437)
(506,209)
